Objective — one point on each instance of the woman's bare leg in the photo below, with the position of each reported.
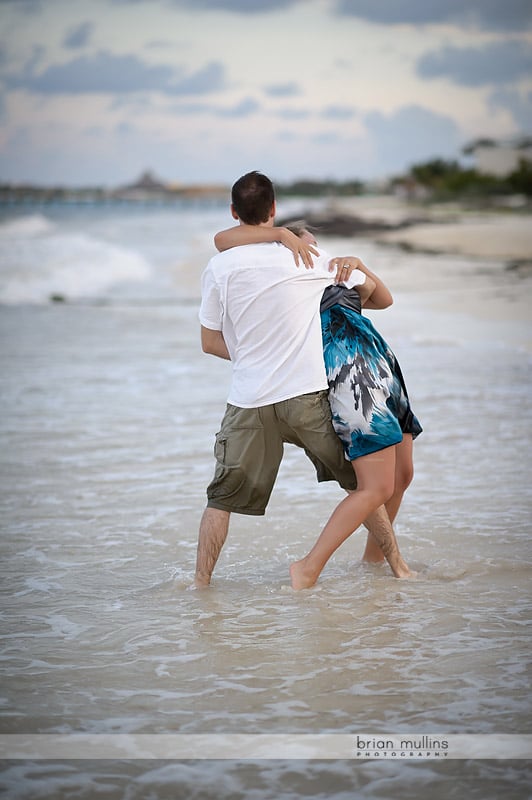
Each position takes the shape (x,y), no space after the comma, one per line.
(375,480)
(404,473)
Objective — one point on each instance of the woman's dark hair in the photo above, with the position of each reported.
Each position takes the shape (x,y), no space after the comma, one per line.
(297,226)
(252,197)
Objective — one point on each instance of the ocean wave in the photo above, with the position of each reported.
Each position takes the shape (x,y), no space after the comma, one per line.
(37,263)
(32,225)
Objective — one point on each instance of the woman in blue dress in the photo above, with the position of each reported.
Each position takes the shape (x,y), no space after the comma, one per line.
(369,402)
(367,392)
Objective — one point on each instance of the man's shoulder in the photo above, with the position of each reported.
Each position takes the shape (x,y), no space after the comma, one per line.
(262,255)
(244,251)
(246,255)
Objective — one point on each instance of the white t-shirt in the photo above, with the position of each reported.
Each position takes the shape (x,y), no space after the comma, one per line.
(268,312)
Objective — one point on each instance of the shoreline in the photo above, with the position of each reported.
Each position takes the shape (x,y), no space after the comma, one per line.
(496,236)
(441,228)
(475,265)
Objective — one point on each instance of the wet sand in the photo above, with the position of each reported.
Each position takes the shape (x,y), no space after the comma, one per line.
(496,236)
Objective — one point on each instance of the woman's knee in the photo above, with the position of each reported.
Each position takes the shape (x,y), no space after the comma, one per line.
(387,491)
(382,490)
(376,475)
(404,476)
(404,465)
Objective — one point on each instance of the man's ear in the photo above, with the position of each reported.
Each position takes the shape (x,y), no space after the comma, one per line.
(273,211)
(233,212)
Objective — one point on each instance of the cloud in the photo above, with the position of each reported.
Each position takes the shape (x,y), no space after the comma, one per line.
(411,135)
(519,107)
(78,36)
(210,78)
(160,44)
(293,113)
(510,15)
(105,73)
(36,58)
(245,108)
(235,6)
(238,6)
(133,103)
(326,137)
(29,7)
(338,112)
(497,62)
(125,128)
(282,90)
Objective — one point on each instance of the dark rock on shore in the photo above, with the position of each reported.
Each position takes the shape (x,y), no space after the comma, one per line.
(521,267)
(337,224)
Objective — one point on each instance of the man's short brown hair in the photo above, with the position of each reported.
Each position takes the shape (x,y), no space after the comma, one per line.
(252,197)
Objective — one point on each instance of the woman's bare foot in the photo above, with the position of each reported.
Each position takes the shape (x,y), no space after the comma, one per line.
(300,577)
(372,553)
(368,560)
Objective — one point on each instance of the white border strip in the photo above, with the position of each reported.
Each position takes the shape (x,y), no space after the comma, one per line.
(242,747)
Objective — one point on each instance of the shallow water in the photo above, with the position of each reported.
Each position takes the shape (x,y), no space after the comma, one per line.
(109,415)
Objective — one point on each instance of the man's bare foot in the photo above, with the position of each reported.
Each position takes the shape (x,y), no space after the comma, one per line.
(401,569)
(300,577)
(200,583)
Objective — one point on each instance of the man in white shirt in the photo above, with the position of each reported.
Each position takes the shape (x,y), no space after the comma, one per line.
(262,312)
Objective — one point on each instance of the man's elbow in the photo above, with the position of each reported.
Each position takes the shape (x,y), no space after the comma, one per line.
(210,347)
(208,342)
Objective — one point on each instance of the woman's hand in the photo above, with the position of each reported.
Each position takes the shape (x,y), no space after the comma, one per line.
(344,266)
(299,248)
(373,292)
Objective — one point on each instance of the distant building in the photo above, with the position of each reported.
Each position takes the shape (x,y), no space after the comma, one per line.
(149,187)
(145,187)
(408,188)
(499,158)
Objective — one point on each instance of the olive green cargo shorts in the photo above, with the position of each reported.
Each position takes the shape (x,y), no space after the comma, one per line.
(249,449)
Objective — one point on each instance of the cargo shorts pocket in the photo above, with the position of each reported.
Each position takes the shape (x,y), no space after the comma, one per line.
(309,413)
(228,478)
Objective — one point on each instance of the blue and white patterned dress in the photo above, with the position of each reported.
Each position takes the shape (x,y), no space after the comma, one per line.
(367,393)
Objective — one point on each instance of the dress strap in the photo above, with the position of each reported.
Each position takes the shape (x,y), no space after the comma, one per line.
(341,295)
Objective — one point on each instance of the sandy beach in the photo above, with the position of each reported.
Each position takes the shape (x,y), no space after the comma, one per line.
(504,237)
(499,247)
(487,254)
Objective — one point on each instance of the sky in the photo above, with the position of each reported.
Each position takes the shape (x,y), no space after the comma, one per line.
(94,92)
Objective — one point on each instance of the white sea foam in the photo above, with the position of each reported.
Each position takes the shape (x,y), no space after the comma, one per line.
(105,252)
(71,265)
(26,226)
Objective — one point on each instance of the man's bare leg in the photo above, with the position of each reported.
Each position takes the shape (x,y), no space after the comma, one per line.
(404,472)
(213,530)
(380,529)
